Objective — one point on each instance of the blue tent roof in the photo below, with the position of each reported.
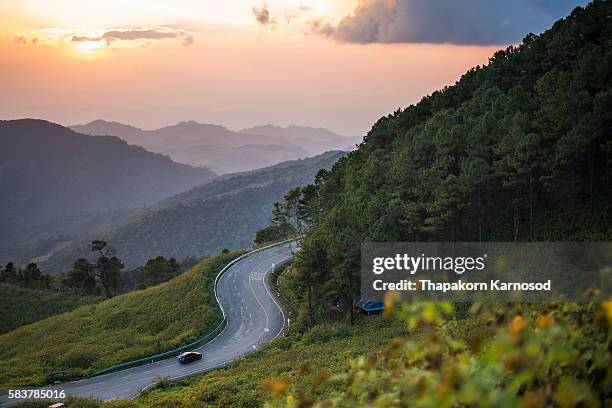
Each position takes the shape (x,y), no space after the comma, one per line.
(371,306)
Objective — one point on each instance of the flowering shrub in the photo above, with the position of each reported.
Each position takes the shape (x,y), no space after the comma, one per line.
(500,355)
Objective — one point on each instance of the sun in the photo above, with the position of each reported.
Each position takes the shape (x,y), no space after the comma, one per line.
(90,47)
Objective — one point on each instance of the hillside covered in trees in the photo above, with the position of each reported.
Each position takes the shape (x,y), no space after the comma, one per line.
(517,150)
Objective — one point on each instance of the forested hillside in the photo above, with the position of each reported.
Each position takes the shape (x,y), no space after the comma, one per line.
(48,171)
(519,149)
(225,213)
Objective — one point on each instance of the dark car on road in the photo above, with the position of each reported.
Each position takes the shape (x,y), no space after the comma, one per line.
(189,356)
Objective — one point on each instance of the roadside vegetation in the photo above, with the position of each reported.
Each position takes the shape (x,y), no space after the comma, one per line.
(419,354)
(99,335)
(492,355)
(300,362)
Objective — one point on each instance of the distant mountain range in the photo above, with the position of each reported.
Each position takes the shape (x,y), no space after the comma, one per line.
(63,188)
(224,150)
(224,213)
(49,171)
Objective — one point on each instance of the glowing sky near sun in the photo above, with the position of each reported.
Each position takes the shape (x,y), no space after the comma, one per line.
(334,63)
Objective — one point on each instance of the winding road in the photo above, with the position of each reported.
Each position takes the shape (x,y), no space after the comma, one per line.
(253,315)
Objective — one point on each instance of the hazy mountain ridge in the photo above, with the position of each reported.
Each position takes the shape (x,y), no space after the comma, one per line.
(50,171)
(225,213)
(224,150)
(229,159)
(312,139)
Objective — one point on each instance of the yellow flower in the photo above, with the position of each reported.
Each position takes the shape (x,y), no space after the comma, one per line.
(544,321)
(391,298)
(276,386)
(517,326)
(607,309)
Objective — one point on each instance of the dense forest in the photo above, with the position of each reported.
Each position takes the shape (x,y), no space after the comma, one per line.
(517,150)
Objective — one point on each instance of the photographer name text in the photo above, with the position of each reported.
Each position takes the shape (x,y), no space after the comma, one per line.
(458,286)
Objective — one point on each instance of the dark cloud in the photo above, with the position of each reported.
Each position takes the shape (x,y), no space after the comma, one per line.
(262,15)
(557,8)
(138,34)
(481,22)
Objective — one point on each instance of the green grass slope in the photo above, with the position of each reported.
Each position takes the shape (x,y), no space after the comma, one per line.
(97,336)
(304,361)
(24,305)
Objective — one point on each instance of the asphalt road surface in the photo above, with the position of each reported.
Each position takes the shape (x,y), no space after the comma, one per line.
(253,318)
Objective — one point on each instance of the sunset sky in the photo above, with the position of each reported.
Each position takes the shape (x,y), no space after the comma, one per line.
(339,64)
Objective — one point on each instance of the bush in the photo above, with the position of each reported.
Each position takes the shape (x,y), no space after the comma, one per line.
(161,382)
(283,343)
(538,355)
(79,359)
(323,333)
